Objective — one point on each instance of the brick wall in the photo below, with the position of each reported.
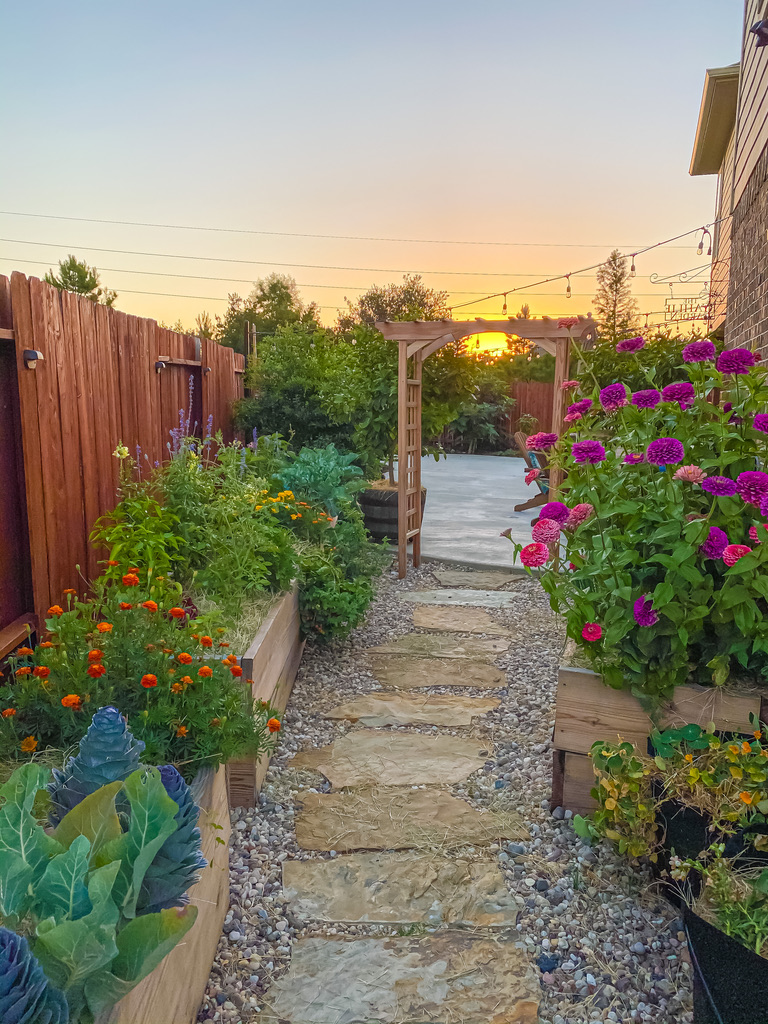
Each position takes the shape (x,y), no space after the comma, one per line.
(747,318)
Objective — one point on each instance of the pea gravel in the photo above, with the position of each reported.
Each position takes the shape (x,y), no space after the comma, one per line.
(606,946)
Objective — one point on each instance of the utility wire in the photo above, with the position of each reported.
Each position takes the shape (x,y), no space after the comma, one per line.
(304,234)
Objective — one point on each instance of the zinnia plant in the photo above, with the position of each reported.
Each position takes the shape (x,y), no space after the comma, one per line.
(665,562)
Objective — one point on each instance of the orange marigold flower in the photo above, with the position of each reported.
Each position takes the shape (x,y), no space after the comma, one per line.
(222,643)
(733,748)
(46,643)
(177,688)
(195,636)
(689,757)
(24,671)
(184,658)
(206,641)
(235,670)
(95,654)
(205,671)
(757,734)
(181,731)
(104,627)
(56,610)
(130,580)
(149,647)
(151,606)
(125,606)
(215,723)
(41,671)
(746,797)
(746,748)
(187,680)
(263,704)
(112,562)
(71,701)
(231,659)
(25,652)
(28,745)
(69,590)
(9,713)
(148,681)
(176,613)
(171,671)
(273,725)
(167,650)
(96,670)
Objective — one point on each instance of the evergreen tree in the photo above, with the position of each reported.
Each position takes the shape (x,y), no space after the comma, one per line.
(76,276)
(615,308)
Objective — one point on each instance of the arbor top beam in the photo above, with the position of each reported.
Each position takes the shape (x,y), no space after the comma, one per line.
(538,330)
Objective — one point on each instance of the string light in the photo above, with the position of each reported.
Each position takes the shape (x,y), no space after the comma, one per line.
(700,248)
(632,272)
(568,287)
(504,307)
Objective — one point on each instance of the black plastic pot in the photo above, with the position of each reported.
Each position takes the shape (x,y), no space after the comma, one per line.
(380,512)
(684,834)
(730,982)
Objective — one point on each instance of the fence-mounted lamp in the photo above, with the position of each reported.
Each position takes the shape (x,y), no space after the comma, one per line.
(31,358)
(206,370)
(159,365)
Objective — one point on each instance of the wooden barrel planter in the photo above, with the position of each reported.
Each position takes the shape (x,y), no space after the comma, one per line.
(379,508)
(587,710)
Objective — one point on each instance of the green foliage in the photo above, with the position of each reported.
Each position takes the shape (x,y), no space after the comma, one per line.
(530,365)
(603,365)
(322,476)
(411,300)
(273,303)
(77,276)
(75,892)
(646,534)
(615,308)
(477,425)
(330,605)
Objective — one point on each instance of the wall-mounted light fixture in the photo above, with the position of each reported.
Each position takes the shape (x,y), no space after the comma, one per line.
(159,365)
(31,358)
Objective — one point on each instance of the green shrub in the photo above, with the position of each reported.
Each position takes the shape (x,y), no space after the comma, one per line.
(330,605)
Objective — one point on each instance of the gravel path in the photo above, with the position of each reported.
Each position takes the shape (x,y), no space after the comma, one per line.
(606,946)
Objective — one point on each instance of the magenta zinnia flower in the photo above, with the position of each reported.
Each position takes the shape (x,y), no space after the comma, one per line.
(613,397)
(554,510)
(682,392)
(715,544)
(647,399)
(735,360)
(541,442)
(752,486)
(534,555)
(588,451)
(582,406)
(699,352)
(634,458)
(754,535)
(665,451)
(690,474)
(644,613)
(592,631)
(734,552)
(579,514)
(546,531)
(760,422)
(721,486)
(630,345)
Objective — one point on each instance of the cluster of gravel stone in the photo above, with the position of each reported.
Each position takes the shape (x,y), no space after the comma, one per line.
(607,947)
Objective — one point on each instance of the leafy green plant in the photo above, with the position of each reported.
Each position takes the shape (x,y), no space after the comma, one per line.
(330,605)
(323,476)
(75,893)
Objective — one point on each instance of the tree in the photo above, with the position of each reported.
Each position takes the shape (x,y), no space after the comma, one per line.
(273,303)
(613,302)
(205,325)
(77,276)
(411,300)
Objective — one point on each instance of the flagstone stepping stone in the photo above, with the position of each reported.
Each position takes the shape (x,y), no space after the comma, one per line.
(369,757)
(413,673)
(457,620)
(390,818)
(400,888)
(452,976)
(480,580)
(422,645)
(468,598)
(376,709)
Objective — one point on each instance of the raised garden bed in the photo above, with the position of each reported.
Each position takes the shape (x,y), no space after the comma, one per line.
(173,992)
(271,661)
(586,711)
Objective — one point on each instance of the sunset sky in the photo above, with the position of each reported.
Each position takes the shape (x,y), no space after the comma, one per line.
(550,133)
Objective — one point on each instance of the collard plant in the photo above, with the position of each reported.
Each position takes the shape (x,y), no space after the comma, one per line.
(98,901)
(323,476)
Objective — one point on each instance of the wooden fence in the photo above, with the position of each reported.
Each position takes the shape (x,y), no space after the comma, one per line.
(105,378)
(532,398)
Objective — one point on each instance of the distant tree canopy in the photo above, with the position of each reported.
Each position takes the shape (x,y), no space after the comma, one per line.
(615,308)
(411,300)
(273,303)
(76,276)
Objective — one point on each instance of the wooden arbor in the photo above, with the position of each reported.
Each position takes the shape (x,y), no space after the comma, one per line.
(418,340)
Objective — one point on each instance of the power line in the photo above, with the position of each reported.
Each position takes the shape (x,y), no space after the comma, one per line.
(304,234)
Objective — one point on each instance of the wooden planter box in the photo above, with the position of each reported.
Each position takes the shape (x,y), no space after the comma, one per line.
(173,992)
(272,662)
(587,710)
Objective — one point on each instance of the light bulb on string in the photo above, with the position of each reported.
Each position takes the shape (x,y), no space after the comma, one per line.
(504,307)
(632,268)
(568,287)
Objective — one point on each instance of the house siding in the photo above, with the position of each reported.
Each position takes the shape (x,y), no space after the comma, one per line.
(746,322)
(721,259)
(752,116)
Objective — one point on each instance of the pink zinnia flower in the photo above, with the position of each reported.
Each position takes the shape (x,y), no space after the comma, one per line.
(592,631)
(582,406)
(531,475)
(547,531)
(647,399)
(643,611)
(753,532)
(720,486)
(579,514)
(541,442)
(681,392)
(752,486)
(630,345)
(690,474)
(567,384)
(534,555)
(572,417)
(734,552)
